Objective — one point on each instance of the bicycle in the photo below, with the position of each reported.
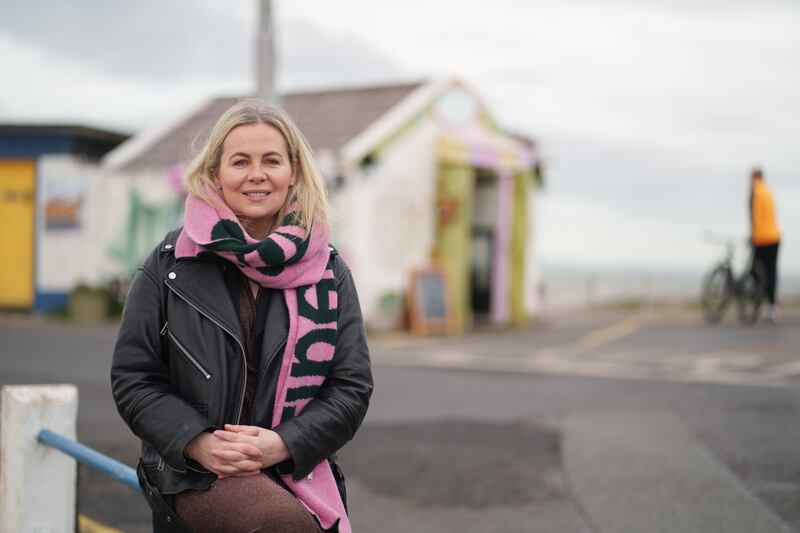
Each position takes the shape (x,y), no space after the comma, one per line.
(720,286)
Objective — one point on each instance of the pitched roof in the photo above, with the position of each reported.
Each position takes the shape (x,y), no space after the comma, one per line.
(328,119)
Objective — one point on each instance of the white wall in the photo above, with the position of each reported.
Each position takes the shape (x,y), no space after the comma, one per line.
(66,257)
(384,217)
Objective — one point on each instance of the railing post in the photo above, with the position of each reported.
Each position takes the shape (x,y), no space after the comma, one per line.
(37,483)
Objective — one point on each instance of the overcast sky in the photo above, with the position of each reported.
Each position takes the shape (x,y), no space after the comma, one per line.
(649,113)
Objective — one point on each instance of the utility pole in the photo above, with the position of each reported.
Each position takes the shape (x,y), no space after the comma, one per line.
(265,55)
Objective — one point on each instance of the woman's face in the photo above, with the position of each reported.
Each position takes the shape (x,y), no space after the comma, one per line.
(254,175)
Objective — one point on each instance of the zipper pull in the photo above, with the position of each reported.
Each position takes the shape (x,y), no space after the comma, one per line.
(161,464)
(164,329)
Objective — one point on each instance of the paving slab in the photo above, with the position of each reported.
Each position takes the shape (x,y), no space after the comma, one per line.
(634,471)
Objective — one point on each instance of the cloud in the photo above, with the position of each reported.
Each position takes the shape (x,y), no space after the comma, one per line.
(650,183)
(69,91)
(78,63)
(182,41)
(311,57)
(649,112)
(579,231)
(610,205)
(139,41)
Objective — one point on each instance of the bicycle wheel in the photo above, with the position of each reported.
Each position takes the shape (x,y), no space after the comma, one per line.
(749,297)
(716,294)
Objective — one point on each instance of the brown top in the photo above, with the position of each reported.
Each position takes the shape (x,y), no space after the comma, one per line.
(247,316)
(252,316)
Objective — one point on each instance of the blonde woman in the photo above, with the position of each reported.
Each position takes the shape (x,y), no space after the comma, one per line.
(242,362)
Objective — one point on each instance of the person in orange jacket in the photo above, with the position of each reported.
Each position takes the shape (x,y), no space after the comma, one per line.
(765,236)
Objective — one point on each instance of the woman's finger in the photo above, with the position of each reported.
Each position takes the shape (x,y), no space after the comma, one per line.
(229,436)
(248,465)
(225,469)
(230,455)
(253,451)
(247,430)
(237,467)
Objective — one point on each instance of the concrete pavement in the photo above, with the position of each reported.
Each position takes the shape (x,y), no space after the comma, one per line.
(461,447)
(638,470)
(667,345)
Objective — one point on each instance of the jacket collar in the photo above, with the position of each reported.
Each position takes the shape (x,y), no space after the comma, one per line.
(201,284)
(200,281)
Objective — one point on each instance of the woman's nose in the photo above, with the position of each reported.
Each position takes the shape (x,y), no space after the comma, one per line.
(258,176)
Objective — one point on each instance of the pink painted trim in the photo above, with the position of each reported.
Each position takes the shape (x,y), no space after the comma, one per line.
(501,267)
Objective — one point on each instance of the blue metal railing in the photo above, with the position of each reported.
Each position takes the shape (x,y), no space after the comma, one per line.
(91,458)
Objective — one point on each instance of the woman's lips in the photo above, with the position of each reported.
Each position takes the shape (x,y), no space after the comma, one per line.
(257,195)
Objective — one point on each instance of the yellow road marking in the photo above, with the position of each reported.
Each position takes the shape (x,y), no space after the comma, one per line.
(87,525)
(608,334)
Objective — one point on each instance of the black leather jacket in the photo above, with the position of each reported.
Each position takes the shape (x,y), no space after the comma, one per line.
(179,368)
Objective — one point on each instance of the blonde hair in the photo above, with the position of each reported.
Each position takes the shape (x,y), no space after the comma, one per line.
(308,192)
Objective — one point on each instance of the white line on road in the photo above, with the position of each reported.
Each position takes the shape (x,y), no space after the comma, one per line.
(607,335)
(688,369)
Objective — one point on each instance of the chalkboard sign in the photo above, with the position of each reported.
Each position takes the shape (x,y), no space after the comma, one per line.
(429,310)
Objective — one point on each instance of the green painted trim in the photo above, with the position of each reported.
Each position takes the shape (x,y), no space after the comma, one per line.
(519,240)
(146,225)
(456,185)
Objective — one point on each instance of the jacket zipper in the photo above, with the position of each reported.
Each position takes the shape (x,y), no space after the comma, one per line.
(188,356)
(229,332)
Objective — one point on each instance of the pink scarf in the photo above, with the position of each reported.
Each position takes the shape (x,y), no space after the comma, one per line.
(298,262)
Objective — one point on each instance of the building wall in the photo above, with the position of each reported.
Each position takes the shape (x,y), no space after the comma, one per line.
(456,196)
(117,220)
(385,219)
(518,246)
(532,298)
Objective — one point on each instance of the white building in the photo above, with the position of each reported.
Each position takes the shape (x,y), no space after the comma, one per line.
(417,174)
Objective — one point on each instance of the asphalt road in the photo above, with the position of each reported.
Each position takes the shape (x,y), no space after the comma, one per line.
(604,422)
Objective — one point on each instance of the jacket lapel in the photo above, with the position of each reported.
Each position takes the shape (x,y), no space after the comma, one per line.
(202,285)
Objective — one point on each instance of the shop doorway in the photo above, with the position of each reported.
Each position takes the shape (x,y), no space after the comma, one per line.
(482,244)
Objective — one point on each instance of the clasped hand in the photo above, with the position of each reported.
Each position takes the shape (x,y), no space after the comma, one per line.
(237,450)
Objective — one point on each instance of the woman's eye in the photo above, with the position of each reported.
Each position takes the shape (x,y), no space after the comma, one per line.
(240,162)
(272,162)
